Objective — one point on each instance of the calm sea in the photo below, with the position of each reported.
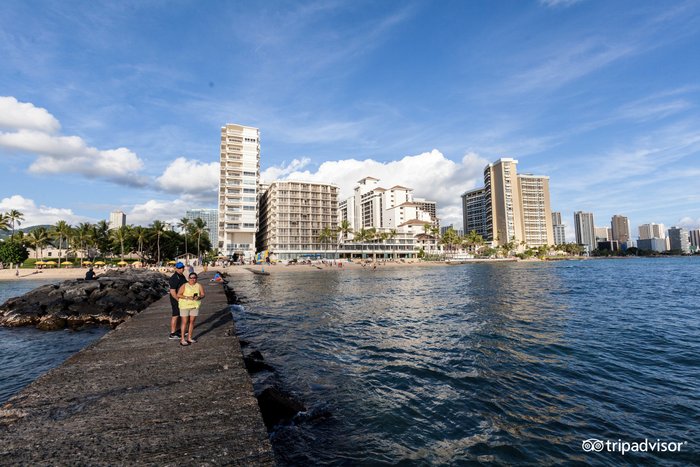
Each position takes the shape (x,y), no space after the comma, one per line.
(514,363)
(26,353)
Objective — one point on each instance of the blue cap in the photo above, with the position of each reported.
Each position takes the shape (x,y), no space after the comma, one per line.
(179,265)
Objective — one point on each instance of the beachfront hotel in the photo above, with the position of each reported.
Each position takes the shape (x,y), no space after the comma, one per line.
(392,211)
(509,207)
(292,216)
(238,184)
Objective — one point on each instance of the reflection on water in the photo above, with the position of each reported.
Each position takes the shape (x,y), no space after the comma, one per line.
(506,363)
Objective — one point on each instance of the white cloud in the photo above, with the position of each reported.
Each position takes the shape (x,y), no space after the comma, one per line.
(689,223)
(430,174)
(558,3)
(190,176)
(18,115)
(37,215)
(31,133)
(163,210)
(279,172)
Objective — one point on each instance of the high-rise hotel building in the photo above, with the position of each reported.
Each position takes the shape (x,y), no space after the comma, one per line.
(238,184)
(558,229)
(585,230)
(620,229)
(510,206)
(292,216)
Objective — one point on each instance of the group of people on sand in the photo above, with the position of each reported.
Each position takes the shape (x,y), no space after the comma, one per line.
(186,295)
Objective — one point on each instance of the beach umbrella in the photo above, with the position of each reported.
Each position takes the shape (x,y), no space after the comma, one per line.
(122,263)
(87,262)
(137,264)
(51,262)
(99,263)
(66,263)
(40,263)
(172,262)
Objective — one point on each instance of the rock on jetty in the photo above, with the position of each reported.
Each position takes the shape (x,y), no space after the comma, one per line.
(110,299)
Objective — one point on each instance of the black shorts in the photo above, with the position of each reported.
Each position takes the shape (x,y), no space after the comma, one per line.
(175,306)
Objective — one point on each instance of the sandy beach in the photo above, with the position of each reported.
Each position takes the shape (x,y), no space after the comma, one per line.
(78,273)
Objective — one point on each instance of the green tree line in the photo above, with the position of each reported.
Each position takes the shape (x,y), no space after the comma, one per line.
(87,241)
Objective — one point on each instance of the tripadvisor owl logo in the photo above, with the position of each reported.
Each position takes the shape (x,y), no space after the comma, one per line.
(623,447)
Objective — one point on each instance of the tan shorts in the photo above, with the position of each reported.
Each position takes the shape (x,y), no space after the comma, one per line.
(189,311)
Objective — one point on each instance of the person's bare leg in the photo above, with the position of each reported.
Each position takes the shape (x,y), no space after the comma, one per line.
(183,327)
(189,338)
(173,324)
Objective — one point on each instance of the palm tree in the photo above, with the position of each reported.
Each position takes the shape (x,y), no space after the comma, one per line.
(119,235)
(39,238)
(360,236)
(343,230)
(61,230)
(391,236)
(99,234)
(140,234)
(198,228)
(14,216)
(157,229)
(4,221)
(81,235)
(184,224)
(325,236)
(475,240)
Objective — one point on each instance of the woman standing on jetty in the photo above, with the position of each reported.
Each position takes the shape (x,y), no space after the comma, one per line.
(189,296)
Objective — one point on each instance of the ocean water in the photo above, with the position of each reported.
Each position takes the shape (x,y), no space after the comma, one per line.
(26,353)
(501,364)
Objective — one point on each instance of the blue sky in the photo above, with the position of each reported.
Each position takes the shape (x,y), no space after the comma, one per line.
(118,105)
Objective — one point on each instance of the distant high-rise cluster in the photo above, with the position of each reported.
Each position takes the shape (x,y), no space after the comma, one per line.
(293,218)
(511,207)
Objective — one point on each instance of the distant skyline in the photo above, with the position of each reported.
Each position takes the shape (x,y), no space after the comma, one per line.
(118,106)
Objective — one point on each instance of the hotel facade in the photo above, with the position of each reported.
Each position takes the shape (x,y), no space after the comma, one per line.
(292,216)
(238,189)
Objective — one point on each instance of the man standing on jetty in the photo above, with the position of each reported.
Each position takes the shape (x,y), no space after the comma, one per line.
(176,281)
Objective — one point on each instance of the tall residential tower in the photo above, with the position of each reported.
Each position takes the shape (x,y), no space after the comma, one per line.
(510,206)
(585,230)
(238,182)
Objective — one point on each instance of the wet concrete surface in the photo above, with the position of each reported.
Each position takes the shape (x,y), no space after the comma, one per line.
(137,398)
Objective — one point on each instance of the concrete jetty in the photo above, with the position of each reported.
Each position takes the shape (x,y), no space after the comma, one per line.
(136,398)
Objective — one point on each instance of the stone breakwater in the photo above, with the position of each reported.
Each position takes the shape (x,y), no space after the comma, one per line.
(111,299)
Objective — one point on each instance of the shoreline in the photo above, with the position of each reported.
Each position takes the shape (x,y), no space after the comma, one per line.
(8,275)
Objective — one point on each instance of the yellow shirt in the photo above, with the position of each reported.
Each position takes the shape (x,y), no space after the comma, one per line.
(189,291)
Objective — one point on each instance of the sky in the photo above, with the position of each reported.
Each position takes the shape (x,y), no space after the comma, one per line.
(118,105)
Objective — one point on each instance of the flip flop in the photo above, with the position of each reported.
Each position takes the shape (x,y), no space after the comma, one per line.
(185,344)
(192,341)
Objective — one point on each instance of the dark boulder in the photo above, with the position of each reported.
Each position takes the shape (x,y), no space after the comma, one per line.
(277,407)
(111,299)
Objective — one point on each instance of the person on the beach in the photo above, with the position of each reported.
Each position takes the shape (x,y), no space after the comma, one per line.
(89,275)
(176,281)
(190,296)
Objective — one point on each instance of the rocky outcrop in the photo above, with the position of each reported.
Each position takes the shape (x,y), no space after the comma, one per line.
(110,299)
(278,407)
